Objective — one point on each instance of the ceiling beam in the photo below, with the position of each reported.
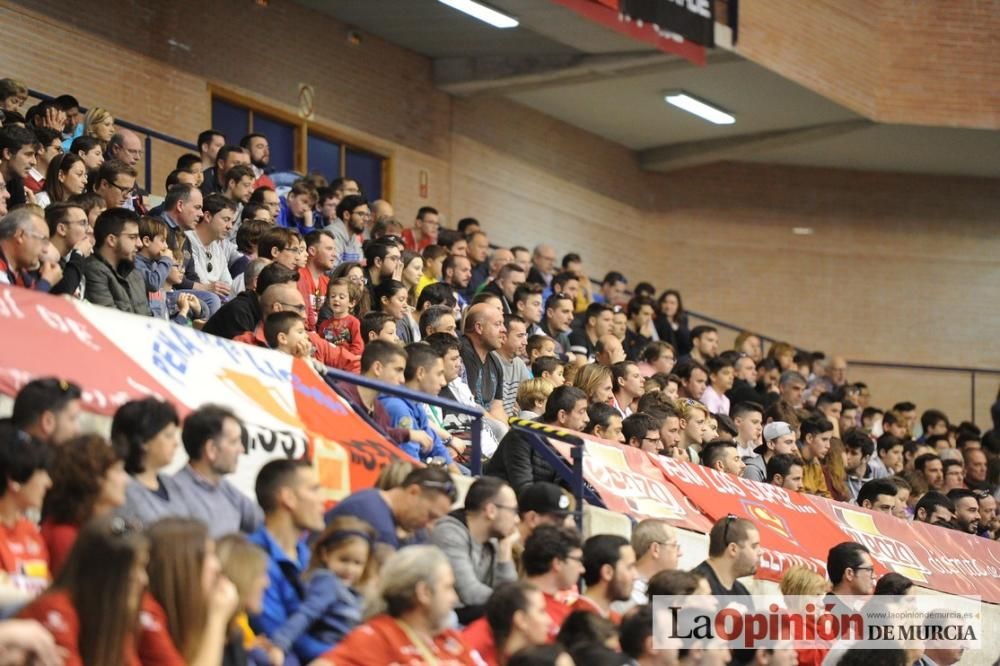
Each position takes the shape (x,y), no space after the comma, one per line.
(500,75)
(684,155)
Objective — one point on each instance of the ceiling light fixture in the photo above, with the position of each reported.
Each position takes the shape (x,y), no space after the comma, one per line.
(702,109)
(482,12)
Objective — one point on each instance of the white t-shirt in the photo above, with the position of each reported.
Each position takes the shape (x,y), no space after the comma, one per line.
(218,253)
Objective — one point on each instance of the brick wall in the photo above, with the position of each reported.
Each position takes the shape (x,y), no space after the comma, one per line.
(900,267)
(921,63)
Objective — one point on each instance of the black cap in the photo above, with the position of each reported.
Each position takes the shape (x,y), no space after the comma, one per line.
(544,497)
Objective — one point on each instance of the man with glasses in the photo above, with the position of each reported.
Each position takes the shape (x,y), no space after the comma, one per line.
(852,573)
(24,237)
(126,147)
(479,543)
(284,297)
(115,182)
(642,431)
(656,549)
(348,228)
(112,280)
(425,496)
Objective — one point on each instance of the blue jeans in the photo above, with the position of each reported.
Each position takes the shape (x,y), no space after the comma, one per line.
(210,301)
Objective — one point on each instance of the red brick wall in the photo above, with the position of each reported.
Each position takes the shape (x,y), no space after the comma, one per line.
(922,63)
(900,268)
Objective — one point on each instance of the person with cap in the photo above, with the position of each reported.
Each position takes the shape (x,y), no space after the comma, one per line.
(779,437)
(541,503)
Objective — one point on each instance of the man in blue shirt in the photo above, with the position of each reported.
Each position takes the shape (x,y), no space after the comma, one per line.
(425,495)
(290,495)
(424,373)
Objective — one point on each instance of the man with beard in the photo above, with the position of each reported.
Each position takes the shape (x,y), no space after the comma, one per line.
(260,159)
(966,509)
(456,272)
(417,589)
(478,541)
(733,549)
(348,227)
(609,572)
(112,280)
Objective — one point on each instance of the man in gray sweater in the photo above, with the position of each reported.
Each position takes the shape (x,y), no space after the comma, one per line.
(478,542)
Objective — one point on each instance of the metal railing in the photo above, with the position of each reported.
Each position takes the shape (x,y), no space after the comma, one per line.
(149,134)
(973,373)
(476,459)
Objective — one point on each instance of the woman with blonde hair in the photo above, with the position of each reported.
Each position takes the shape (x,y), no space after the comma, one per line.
(245,564)
(801,586)
(100,124)
(596,381)
(694,426)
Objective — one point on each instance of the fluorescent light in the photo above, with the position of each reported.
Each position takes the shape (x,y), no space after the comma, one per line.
(482,12)
(699,108)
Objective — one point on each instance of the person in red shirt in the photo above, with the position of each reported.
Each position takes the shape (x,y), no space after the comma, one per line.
(92,609)
(417,590)
(88,480)
(609,572)
(424,231)
(313,278)
(280,297)
(515,619)
(24,480)
(195,599)
(342,329)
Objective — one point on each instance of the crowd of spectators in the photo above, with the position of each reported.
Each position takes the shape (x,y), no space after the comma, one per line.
(107,559)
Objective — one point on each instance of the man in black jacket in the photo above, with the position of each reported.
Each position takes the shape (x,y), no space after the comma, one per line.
(517,462)
(243,313)
(68,235)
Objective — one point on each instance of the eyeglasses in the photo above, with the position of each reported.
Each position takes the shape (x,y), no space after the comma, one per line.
(122,188)
(651,439)
(725,530)
(578,558)
(668,544)
(36,236)
(208,265)
(869,569)
(508,508)
(446,487)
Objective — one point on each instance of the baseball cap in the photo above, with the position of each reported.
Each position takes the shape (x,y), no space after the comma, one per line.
(776,429)
(544,497)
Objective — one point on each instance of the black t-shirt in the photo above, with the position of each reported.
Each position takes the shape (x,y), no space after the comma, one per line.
(737,590)
(485,379)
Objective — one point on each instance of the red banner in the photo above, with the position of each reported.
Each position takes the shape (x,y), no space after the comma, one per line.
(630,484)
(930,556)
(795,529)
(792,531)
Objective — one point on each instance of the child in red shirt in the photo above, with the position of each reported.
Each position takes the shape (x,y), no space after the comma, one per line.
(342,329)
(24,559)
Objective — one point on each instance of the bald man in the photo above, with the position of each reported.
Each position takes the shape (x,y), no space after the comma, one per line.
(286,296)
(126,146)
(381,210)
(483,333)
(656,549)
(609,350)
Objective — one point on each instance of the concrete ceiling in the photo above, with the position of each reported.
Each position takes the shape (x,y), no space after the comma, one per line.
(589,76)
